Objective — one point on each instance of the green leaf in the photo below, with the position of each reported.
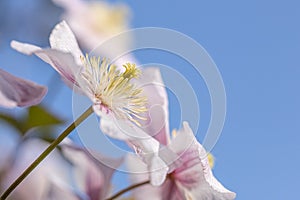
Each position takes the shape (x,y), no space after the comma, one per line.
(39,116)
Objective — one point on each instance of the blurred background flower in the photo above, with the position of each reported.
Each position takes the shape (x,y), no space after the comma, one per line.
(95,21)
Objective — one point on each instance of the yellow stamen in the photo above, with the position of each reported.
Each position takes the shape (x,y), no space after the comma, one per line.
(113,89)
(131,71)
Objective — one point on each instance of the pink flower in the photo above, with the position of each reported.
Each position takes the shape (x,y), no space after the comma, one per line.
(191,179)
(15,91)
(92,177)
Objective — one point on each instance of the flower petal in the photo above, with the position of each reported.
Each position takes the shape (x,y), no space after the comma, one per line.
(15,91)
(143,144)
(27,49)
(109,128)
(63,39)
(195,173)
(64,63)
(158,171)
(157,124)
(167,190)
(93,176)
(140,174)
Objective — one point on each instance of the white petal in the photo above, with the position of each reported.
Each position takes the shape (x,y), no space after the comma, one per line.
(157,124)
(63,39)
(27,49)
(64,63)
(158,171)
(146,146)
(213,187)
(139,173)
(109,128)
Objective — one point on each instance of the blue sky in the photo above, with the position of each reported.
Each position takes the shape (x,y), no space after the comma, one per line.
(256,46)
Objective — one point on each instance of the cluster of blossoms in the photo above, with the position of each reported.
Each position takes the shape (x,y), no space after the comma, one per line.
(177,166)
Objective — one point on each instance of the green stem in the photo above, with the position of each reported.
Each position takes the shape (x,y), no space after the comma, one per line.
(50,148)
(128,189)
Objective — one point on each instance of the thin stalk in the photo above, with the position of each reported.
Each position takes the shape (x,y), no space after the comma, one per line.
(128,189)
(50,148)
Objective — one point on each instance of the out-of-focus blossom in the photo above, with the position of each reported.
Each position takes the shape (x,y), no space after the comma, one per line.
(114,96)
(95,21)
(36,185)
(15,91)
(192,179)
(93,178)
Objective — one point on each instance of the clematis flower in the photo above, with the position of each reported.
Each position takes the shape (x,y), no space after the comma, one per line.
(92,177)
(189,175)
(15,91)
(95,21)
(36,185)
(110,90)
(115,98)
(192,179)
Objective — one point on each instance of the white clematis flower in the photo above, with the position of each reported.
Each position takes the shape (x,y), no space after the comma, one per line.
(115,98)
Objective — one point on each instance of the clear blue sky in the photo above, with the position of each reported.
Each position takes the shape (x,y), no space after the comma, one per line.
(256,46)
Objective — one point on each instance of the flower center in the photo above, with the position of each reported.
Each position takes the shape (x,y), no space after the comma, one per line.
(112,90)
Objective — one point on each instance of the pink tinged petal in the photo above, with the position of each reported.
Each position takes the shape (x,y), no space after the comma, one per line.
(144,145)
(157,124)
(158,171)
(195,173)
(139,173)
(93,176)
(183,141)
(189,173)
(62,62)
(15,91)
(211,187)
(63,39)
(168,190)
(172,191)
